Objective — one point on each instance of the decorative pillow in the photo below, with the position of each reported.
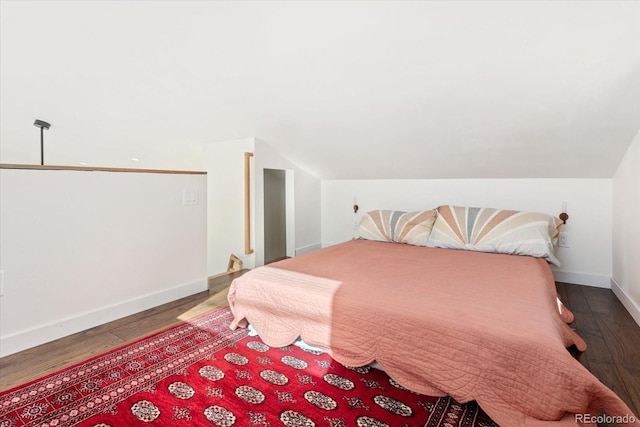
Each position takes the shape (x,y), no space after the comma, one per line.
(378,225)
(496,230)
(414,228)
(397,226)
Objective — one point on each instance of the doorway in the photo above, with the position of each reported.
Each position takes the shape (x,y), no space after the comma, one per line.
(275,215)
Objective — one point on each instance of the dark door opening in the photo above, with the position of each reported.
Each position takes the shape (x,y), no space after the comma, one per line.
(275,215)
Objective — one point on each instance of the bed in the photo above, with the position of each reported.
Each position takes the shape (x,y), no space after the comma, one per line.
(469,324)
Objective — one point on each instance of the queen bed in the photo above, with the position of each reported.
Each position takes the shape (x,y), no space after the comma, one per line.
(440,321)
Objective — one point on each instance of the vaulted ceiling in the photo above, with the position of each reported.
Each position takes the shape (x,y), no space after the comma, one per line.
(344,89)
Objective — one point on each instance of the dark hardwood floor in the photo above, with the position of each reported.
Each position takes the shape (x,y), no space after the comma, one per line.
(36,362)
(613,338)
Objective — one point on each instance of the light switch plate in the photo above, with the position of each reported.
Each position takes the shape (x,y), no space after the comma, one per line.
(190,197)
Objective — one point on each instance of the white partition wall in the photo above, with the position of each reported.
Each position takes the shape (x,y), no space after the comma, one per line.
(81,248)
(223,162)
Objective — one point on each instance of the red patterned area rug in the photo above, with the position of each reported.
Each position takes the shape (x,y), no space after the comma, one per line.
(201,373)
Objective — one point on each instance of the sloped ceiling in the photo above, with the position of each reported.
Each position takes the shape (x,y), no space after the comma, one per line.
(343,89)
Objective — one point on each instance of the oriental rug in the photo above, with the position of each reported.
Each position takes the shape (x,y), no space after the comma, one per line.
(201,373)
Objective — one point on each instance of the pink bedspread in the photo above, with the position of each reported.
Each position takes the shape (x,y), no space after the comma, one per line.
(467,324)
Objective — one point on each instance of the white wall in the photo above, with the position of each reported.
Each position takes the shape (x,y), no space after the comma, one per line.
(306,204)
(80,248)
(589,202)
(626,230)
(224,163)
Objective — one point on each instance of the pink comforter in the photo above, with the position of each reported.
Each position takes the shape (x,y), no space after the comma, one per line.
(474,326)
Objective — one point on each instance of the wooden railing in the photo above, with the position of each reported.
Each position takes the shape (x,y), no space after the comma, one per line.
(95,169)
(247,203)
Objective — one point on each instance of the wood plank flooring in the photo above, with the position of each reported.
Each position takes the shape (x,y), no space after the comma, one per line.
(613,338)
(36,362)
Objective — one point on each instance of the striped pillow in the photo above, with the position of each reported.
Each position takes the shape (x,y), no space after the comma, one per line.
(396,226)
(496,230)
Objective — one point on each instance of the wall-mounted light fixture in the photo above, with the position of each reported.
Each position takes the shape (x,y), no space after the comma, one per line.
(564,216)
(42,125)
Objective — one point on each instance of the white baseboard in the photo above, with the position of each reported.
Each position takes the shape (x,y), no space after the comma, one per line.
(42,334)
(632,306)
(306,249)
(327,244)
(582,279)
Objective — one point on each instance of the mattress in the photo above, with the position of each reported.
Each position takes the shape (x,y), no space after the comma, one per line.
(475,326)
